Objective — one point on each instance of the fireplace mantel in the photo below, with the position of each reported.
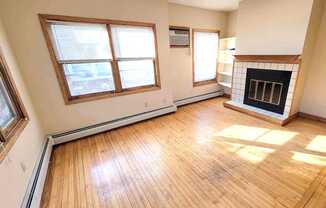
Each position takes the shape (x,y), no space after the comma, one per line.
(284,59)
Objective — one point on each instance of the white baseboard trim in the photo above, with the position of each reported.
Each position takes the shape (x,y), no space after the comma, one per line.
(98,128)
(194,99)
(35,187)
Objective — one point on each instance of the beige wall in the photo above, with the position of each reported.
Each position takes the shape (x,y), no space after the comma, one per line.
(307,55)
(180,59)
(314,97)
(232,19)
(13,180)
(28,43)
(272,27)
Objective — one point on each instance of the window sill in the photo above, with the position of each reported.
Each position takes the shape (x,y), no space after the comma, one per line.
(201,83)
(20,126)
(98,96)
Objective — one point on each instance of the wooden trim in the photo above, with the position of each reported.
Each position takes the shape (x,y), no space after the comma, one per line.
(180,46)
(259,115)
(206,82)
(115,67)
(15,130)
(285,59)
(290,118)
(252,113)
(129,91)
(206,30)
(228,96)
(20,126)
(156,61)
(58,65)
(63,18)
(312,117)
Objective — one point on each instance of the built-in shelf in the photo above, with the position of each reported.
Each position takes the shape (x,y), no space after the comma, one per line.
(226,73)
(226,59)
(225,84)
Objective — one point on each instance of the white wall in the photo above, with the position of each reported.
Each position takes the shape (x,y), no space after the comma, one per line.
(272,26)
(26,150)
(24,32)
(314,97)
(180,59)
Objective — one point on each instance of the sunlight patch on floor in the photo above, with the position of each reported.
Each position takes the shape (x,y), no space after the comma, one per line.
(254,154)
(242,132)
(310,159)
(277,137)
(232,147)
(318,144)
(264,135)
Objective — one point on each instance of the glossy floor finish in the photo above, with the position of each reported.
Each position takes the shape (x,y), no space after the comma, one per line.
(202,156)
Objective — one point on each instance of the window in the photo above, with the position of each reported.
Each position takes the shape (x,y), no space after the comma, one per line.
(98,58)
(13,117)
(205,55)
(135,53)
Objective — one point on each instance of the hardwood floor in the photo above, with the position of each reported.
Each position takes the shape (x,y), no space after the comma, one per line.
(202,156)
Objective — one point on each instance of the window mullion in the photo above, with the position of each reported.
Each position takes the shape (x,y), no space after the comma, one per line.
(115,67)
(2,138)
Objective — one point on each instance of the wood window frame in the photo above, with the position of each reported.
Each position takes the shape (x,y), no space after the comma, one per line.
(10,134)
(205,82)
(119,91)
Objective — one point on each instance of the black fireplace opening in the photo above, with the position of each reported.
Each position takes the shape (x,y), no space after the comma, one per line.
(267,89)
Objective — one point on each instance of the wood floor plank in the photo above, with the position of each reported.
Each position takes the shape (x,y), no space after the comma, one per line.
(202,156)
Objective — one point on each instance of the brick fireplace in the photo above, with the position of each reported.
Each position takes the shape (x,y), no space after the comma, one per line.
(264,86)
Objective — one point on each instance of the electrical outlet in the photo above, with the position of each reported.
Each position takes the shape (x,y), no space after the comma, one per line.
(146,104)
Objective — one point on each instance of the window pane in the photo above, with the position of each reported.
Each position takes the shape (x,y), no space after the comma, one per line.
(75,41)
(137,73)
(205,54)
(7,113)
(132,41)
(89,78)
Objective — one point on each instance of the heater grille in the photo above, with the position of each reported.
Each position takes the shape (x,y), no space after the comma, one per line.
(265,91)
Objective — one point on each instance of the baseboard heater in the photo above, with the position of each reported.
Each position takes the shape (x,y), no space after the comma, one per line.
(198,98)
(102,127)
(32,198)
(34,191)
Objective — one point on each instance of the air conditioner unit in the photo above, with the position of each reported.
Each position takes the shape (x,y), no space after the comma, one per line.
(179,37)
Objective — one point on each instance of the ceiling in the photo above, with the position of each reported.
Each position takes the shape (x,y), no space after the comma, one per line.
(219,5)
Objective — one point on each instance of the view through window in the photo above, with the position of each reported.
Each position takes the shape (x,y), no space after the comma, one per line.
(205,55)
(102,57)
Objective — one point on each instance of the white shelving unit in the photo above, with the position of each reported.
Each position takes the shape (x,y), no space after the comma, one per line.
(225,62)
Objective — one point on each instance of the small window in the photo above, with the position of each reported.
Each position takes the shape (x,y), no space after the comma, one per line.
(205,55)
(13,117)
(96,58)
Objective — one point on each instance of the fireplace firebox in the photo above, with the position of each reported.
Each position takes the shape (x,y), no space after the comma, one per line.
(267,89)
